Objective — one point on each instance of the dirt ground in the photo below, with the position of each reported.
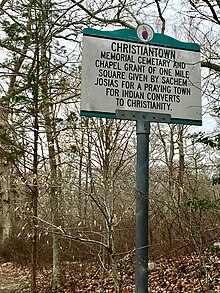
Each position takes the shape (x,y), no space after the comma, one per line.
(9,284)
(168,275)
(12,280)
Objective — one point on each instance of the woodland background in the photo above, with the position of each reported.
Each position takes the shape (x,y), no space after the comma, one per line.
(68,182)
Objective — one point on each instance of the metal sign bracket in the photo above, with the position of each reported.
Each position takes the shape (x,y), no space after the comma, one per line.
(143,116)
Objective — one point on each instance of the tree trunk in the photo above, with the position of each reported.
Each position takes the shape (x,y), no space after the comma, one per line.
(35,190)
(181,161)
(6,208)
(54,200)
(54,188)
(51,142)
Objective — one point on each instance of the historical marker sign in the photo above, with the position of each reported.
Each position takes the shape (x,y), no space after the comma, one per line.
(126,72)
(122,71)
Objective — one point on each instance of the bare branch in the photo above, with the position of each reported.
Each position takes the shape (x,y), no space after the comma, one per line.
(211,66)
(116,20)
(211,7)
(161,16)
(63,233)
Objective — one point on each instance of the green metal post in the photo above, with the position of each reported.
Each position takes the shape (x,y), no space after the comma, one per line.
(142,182)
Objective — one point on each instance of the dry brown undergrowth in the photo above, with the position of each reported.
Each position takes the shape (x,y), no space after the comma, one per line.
(183,274)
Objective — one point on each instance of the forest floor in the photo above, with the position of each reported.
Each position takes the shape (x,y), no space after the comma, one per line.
(182,274)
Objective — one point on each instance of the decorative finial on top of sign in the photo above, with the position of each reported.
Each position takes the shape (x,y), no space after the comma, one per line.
(145,32)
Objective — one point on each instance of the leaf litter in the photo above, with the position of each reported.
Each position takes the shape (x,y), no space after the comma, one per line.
(187,274)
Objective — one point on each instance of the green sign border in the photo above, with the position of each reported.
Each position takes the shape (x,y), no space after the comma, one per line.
(158,40)
(113,116)
(131,35)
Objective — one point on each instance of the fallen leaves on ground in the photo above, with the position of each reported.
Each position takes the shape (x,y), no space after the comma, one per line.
(183,274)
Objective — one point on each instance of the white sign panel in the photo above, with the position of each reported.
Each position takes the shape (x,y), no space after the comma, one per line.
(140,77)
